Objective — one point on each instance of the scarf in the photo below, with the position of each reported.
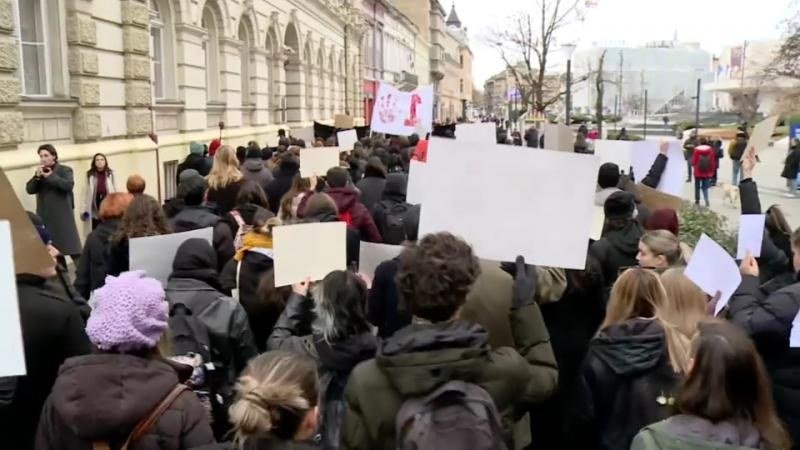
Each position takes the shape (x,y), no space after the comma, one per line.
(102,188)
(253,240)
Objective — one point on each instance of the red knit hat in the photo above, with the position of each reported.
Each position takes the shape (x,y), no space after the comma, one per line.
(663,219)
(213,147)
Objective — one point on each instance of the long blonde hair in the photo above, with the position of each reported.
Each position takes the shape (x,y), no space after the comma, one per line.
(639,293)
(274,393)
(686,303)
(664,243)
(225,169)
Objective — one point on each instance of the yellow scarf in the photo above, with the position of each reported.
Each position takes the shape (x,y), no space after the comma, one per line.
(253,240)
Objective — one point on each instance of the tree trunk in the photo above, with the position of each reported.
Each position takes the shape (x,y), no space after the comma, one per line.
(600,93)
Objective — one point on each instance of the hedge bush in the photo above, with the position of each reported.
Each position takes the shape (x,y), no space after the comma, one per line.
(696,221)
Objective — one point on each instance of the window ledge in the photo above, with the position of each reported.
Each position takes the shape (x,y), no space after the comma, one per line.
(47,103)
(168,106)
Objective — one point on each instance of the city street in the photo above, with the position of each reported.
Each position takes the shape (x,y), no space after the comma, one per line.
(771,187)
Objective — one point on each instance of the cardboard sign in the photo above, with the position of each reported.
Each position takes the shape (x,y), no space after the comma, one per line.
(403,113)
(155,254)
(343,121)
(762,133)
(316,161)
(654,199)
(549,227)
(30,253)
(308,250)
(347,139)
(12,351)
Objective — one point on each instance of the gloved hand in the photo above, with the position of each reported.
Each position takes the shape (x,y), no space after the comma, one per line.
(85,216)
(524,289)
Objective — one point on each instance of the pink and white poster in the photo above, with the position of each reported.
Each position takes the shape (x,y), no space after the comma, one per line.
(403,113)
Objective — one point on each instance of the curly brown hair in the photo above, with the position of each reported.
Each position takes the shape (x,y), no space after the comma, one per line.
(144,217)
(436,275)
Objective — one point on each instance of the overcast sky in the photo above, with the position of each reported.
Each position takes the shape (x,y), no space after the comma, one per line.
(713,23)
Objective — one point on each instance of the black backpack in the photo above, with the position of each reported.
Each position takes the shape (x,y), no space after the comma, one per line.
(456,416)
(704,163)
(395,223)
(190,345)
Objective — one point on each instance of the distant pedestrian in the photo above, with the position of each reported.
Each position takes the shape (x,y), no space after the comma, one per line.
(736,150)
(791,166)
(194,160)
(53,184)
(100,183)
(704,162)
(532,137)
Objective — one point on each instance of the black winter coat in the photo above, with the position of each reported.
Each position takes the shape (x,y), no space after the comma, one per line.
(768,320)
(371,188)
(118,257)
(774,260)
(791,166)
(281,184)
(617,249)
(192,161)
(383,302)
(335,359)
(262,444)
(52,331)
(262,316)
(91,271)
(224,198)
(625,375)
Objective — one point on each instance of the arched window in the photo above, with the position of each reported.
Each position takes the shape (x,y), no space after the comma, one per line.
(211,52)
(245,36)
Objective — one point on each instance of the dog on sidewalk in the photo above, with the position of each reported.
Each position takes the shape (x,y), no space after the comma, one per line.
(730,194)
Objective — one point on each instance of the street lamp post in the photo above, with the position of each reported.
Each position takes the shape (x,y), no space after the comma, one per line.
(568,50)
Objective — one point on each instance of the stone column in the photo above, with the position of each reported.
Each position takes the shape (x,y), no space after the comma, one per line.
(191,76)
(277,87)
(230,82)
(11,125)
(136,47)
(260,86)
(83,68)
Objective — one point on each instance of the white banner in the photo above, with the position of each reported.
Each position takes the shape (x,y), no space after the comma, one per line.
(403,113)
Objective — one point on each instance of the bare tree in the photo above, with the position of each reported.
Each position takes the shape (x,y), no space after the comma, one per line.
(525,45)
(787,61)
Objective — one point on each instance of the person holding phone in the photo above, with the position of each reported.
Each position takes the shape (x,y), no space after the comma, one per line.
(53,183)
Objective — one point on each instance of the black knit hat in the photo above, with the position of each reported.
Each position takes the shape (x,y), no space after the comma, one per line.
(619,205)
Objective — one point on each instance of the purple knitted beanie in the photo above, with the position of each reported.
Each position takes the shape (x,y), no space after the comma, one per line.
(130,314)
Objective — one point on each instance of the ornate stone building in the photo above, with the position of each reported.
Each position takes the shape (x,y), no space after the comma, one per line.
(100,75)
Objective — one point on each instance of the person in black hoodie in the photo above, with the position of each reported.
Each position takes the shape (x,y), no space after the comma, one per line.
(194,284)
(621,234)
(768,319)
(52,332)
(373,183)
(253,168)
(632,368)
(341,339)
(282,183)
(194,214)
(394,202)
(91,271)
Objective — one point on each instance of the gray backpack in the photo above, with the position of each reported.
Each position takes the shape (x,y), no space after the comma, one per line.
(456,416)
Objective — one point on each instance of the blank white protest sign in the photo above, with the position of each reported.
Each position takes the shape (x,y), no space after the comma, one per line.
(644,154)
(347,139)
(305,133)
(617,152)
(558,136)
(316,161)
(751,235)
(712,269)
(416,182)
(542,209)
(12,352)
(479,133)
(308,250)
(155,254)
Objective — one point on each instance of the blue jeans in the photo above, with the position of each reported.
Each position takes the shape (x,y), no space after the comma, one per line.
(701,184)
(737,170)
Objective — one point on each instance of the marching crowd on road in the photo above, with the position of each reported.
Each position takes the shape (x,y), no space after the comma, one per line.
(434,350)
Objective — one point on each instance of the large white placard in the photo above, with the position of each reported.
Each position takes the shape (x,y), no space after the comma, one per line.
(154,254)
(713,270)
(477,133)
(673,179)
(751,235)
(308,250)
(12,352)
(762,133)
(536,212)
(558,136)
(316,161)
(372,255)
(416,182)
(347,139)
(403,113)
(617,152)
(306,134)
(598,222)
(794,335)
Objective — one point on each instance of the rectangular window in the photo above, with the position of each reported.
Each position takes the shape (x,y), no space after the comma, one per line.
(33,48)
(170,178)
(158,60)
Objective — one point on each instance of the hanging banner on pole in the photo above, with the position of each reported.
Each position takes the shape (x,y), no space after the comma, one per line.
(403,113)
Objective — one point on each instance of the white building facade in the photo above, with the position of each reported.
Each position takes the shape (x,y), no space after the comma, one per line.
(100,75)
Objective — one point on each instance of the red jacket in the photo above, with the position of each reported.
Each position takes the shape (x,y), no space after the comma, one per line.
(351,211)
(701,151)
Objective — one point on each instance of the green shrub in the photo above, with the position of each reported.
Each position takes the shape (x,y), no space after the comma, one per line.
(696,221)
